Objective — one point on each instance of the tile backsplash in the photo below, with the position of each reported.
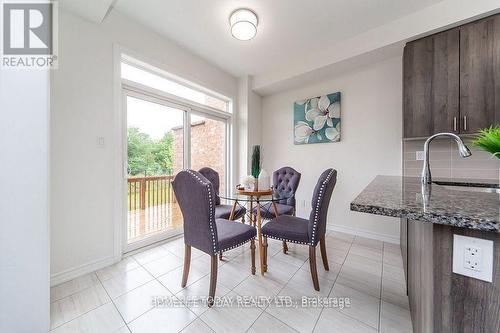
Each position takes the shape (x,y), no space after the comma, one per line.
(447,163)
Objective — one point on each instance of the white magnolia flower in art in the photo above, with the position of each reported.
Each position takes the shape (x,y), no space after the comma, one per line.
(332,133)
(302,132)
(321,111)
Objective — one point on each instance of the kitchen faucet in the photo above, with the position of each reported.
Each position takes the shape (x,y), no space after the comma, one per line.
(462,149)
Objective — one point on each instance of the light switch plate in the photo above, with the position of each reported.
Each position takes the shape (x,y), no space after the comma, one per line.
(473,257)
(100,141)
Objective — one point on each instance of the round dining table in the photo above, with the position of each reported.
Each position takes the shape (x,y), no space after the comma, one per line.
(262,201)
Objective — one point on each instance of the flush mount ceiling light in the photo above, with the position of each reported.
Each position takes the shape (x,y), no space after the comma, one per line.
(243,24)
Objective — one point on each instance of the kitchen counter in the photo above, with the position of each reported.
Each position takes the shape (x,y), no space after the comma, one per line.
(441,300)
(402,197)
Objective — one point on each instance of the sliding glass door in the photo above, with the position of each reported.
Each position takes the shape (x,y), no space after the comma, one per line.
(155,153)
(208,145)
(158,145)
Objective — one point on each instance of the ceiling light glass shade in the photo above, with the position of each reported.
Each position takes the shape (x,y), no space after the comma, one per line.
(243,24)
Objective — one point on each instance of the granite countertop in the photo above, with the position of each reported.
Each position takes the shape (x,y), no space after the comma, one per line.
(398,196)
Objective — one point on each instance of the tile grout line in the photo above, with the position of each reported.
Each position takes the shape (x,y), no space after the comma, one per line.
(196,316)
(100,282)
(81,315)
(156,279)
(269,314)
(204,322)
(174,295)
(281,289)
(348,315)
(230,290)
(111,299)
(335,281)
(76,292)
(264,310)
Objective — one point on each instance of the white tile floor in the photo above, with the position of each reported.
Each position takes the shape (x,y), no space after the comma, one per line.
(119,298)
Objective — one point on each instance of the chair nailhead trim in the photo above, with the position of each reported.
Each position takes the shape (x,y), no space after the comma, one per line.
(237,245)
(287,240)
(211,207)
(318,204)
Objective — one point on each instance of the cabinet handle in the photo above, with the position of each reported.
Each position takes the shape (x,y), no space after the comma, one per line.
(465,123)
(455,124)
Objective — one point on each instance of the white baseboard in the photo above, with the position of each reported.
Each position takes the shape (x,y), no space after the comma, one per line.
(75,272)
(364,233)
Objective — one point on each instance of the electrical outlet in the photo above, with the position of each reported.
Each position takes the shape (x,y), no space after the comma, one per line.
(419,155)
(100,141)
(473,257)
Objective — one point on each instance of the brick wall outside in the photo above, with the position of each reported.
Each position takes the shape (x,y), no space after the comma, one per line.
(207,147)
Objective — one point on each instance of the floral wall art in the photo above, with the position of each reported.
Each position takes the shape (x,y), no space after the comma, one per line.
(317,119)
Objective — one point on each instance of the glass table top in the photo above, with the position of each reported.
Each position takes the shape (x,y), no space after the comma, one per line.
(275,196)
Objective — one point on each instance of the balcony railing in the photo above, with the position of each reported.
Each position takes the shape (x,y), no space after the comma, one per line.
(150,191)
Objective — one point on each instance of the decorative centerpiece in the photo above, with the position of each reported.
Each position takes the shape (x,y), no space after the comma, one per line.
(256,166)
(264,180)
(488,139)
(259,181)
(247,183)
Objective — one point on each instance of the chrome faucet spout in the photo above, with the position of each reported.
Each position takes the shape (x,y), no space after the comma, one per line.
(462,149)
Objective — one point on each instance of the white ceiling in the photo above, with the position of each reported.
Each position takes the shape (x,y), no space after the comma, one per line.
(289,32)
(92,10)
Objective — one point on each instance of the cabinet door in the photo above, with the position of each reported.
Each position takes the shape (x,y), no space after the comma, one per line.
(480,74)
(431,85)
(403,242)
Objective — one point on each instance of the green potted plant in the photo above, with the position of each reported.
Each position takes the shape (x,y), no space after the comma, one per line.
(488,139)
(256,165)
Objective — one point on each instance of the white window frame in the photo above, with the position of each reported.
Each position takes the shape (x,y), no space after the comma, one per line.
(174,78)
(137,90)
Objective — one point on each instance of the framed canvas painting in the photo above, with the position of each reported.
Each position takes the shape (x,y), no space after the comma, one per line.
(317,119)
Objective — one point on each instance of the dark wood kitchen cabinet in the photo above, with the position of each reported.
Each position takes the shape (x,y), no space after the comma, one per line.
(442,301)
(451,80)
(431,84)
(480,74)
(403,243)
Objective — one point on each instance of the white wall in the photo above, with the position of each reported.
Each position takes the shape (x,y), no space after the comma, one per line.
(24,207)
(370,143)
(248,124)
(254,122)
(83,197)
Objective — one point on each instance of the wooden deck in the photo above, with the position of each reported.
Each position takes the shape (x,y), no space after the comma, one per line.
(143,223)
(152,207)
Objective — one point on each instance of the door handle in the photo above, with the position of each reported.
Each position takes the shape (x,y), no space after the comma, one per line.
(465,123)
(454,124)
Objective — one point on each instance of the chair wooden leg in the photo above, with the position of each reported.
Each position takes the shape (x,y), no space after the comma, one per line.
(322,247)
(187,264)
(265,253)
(243,219)
(213,280)
(252,250)
(285,247)
(312,266)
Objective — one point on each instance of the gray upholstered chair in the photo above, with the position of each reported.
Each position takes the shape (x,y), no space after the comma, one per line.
(308,232)
(196,197)
(285,180)
(221,211)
